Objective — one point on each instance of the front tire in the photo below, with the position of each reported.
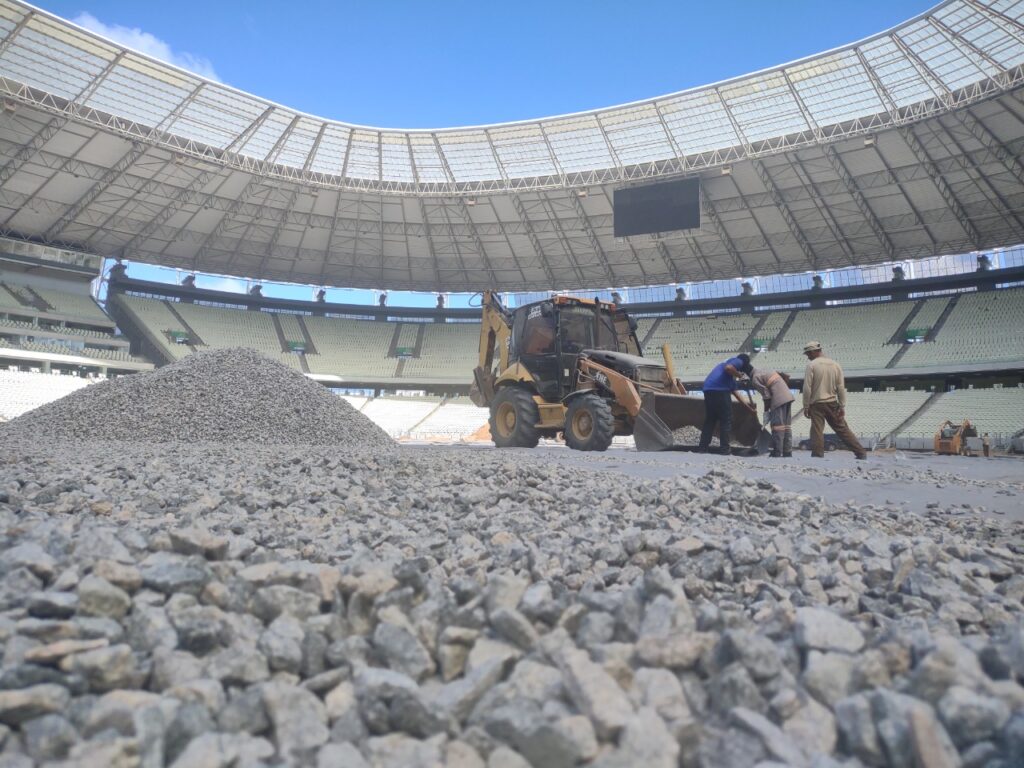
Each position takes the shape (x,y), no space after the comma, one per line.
(589,424)
(514,418)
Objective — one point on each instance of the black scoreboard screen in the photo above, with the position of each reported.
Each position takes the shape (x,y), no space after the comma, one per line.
(664,207)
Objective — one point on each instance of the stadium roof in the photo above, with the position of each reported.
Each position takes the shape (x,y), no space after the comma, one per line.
(903,145)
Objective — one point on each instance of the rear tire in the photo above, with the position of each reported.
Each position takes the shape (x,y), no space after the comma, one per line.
(589,424)
(514,418)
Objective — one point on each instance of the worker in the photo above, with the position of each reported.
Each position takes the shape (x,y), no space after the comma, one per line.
(824,399)
(986,445)
(774,387)
(719,388)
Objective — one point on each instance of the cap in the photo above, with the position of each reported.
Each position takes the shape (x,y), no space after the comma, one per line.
(812,346)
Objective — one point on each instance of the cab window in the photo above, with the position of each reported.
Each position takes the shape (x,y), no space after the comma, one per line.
(576,329)
(538,337)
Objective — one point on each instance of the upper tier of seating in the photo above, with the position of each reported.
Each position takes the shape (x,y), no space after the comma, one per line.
(37,300)
(449,351)
(857,336)
(699,343)
(981,328)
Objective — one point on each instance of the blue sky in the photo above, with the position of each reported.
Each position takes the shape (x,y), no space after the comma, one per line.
(441,63)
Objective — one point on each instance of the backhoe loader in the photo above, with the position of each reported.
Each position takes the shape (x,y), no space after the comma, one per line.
(574,366)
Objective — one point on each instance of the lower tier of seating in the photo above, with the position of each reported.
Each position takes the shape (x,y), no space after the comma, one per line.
(20,392)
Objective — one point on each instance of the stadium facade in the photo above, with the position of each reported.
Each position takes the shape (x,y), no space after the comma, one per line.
(902,145)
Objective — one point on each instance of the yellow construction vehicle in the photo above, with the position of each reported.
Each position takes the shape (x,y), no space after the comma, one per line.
(951,439)
(574,366)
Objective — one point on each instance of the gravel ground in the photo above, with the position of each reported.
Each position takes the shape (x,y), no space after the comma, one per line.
(224,395)
(196,604)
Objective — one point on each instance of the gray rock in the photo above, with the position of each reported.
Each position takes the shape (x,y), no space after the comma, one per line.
(238,665)
(200,628)
(857,728)
(823,630)
(402,650)
(29,703)
(514,627)
(298,718)
(457,698)
(595,693)
(503,757)
(224,750)
(127,577)
(564,743)
(105,668)
(48,737)
(199,541)
(828,676)
(775,741)
(281,644)
(270,602)
(755,652)
(734,687)
(169,573)
(645,741)
(504,591)
(52,605)
(894,714)
(812,728)
(743,552)
(340,756)
(98,597)
(970,717)
(244,712)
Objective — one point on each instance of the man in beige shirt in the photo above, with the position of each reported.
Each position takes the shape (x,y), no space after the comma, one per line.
(824,395)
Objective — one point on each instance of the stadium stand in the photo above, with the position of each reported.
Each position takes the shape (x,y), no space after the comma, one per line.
(219,327)
(857,336)
(156,322)
(9,300)
(449,353)
(456,419)
(352,349)
(871,415)
(55,347)
(21,392)
(699,343)
(975,331)
(73,305)
(398,415)
(929,314)
(998,411)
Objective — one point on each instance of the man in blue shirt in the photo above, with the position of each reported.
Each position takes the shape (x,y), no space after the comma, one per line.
(718,388)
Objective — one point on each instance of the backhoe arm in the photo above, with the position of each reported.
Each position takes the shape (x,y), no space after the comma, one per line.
(495,330)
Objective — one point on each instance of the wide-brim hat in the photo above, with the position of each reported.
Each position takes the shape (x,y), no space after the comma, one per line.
(812,346)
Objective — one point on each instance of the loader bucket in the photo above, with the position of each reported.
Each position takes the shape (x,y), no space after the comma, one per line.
(661,414)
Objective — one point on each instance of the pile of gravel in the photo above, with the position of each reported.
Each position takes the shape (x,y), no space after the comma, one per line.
(246,605)
(225,395)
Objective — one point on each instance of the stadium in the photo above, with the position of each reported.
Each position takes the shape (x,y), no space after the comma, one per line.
(499,531)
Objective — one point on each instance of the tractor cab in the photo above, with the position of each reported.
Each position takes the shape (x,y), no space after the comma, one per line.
(549,336)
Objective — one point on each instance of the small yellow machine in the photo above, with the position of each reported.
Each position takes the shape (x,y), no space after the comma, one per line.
(574,366)
(951,439)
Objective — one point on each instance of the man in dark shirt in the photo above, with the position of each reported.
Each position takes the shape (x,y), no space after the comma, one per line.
(718,390)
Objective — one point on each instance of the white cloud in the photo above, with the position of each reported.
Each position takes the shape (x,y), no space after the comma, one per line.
(151,45)
(228,284)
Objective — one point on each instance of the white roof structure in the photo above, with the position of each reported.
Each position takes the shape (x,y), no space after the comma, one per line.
(903,145)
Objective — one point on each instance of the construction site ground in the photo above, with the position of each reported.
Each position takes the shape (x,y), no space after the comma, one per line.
(916,481)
